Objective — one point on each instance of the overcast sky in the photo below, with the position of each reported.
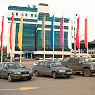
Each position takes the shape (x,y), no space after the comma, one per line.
(67,7)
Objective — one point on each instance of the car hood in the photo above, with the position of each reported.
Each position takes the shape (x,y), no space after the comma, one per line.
(20,70)
(60,68)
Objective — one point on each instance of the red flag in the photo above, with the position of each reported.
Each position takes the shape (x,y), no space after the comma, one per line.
(85,38)
(61,32)
(1,38)
(11,32)
(77,34)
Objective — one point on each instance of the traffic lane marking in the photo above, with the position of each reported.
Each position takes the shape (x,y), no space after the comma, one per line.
(22,88)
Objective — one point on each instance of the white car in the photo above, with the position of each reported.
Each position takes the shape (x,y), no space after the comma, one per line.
(18,58)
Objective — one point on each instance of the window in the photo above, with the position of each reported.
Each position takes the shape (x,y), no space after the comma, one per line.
(12,13)
(42,64)
(5,66)
(1,66)
(16,14)
(35,15)
(26,14)
(66,27)
(31,15)
(22,14)
(73,60)
(47,64)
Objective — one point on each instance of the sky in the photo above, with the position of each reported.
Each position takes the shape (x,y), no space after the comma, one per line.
(84,8)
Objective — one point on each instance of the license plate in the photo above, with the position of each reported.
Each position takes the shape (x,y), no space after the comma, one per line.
(25,75)
(69,72)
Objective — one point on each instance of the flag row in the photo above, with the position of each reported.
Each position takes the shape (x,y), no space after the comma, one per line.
(42,33)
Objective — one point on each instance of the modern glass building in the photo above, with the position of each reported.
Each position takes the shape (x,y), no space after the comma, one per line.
(32,26)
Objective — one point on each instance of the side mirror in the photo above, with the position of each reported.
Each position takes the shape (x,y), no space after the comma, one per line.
(80,62)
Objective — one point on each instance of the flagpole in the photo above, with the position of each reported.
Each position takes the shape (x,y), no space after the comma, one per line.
(87,47)
(11,56)
(21,45)
(11,37)
(21,50)
(63,39)
(53,38)
(44,40)
(75,38)
(2,39)
(87,42)
(71,35)
(79,49)
(1,55)
(2,50)
(79,45)
(20,37)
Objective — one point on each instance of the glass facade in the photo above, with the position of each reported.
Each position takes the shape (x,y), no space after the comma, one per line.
(31,36)
(26,20)
(18,8)
(28,37)
(57,45)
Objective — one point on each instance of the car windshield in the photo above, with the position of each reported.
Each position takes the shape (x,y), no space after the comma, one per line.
(85,60)
(55,64)
(15,65)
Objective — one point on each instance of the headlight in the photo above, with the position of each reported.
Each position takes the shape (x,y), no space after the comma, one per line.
(17,72)
(30,71)
(62,71)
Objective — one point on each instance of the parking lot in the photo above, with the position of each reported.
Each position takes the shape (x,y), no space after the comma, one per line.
(45,85)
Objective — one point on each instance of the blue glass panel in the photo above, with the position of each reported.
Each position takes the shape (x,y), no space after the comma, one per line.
(28,37)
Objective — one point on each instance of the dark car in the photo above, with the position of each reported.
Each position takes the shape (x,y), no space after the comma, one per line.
(15,71)
(51,68)
(80,65)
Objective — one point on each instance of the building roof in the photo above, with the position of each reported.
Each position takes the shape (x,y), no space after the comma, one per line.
(43,4)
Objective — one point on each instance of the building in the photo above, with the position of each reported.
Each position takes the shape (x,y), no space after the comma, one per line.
(32,26)
(83,50)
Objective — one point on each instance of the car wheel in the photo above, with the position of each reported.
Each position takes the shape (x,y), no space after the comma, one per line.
(29,78)
(77,73)
(54,75)
(36,73)
(10,79)
(87,73)
(68,76)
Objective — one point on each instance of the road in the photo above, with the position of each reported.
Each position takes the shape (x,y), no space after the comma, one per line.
(45,85)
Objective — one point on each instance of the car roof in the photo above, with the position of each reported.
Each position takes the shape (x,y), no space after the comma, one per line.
(45,61)
(78,57)
(9,62)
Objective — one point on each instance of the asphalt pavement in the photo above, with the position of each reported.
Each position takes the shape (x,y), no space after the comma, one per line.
(45,85)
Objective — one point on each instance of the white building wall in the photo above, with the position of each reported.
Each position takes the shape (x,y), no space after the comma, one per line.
(41,8)
(44,9)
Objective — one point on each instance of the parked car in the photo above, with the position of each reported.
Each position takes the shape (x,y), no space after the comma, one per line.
(18,58)
(37,58)
(15,71)
(80,65)
(51,68)
(92,59)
